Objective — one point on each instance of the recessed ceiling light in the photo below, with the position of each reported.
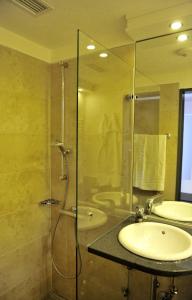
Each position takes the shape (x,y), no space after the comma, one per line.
(91,47)
(176,25)
(103,55)
(182,37)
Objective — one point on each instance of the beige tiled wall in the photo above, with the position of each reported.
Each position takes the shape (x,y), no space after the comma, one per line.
(24,176)
(64,245)
(168,123)
(146,117)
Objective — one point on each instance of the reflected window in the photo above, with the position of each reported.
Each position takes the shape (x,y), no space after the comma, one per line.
(185,176)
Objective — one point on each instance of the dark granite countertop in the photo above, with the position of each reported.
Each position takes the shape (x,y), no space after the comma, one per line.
(109,247)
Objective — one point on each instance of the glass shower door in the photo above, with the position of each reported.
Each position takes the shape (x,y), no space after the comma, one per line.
(105,118)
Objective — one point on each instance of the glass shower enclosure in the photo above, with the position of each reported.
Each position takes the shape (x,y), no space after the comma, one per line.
(105,122)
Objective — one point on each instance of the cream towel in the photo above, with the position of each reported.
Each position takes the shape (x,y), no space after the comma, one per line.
(149,162)
(109,155)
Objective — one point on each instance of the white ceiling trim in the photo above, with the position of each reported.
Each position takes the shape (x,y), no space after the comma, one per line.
(23,45)
(157,22)
(58,54)
(15,41)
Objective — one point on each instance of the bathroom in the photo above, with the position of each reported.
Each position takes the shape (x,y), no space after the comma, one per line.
(69,126)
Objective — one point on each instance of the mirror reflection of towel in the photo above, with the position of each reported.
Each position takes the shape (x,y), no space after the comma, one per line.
(109,155)
(149,161)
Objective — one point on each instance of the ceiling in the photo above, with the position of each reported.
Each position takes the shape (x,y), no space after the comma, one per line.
(164,60)
(112,23)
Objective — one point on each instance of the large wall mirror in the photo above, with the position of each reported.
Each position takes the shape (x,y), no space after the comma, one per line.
(163,118)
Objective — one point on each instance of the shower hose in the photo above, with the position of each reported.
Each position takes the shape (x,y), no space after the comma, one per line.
(56,267)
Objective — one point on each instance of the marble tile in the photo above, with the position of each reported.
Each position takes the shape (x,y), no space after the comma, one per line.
(36,286)
(24,262)
(19,228)
(24,176)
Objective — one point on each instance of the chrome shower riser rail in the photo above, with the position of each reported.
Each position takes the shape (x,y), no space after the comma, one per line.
(64,65)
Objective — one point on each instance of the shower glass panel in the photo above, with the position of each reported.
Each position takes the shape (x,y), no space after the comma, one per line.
(105,118)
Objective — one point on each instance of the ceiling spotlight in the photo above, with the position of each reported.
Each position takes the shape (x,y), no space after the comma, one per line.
(176,25)
(182,37)
(91,47)
(103,55)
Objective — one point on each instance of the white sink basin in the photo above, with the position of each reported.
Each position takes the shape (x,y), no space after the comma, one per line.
(156,241)
(116,199)
(90,218)
(174,210)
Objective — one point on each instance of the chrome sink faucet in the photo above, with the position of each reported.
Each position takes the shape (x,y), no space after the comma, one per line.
(150,201)
(139,214)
